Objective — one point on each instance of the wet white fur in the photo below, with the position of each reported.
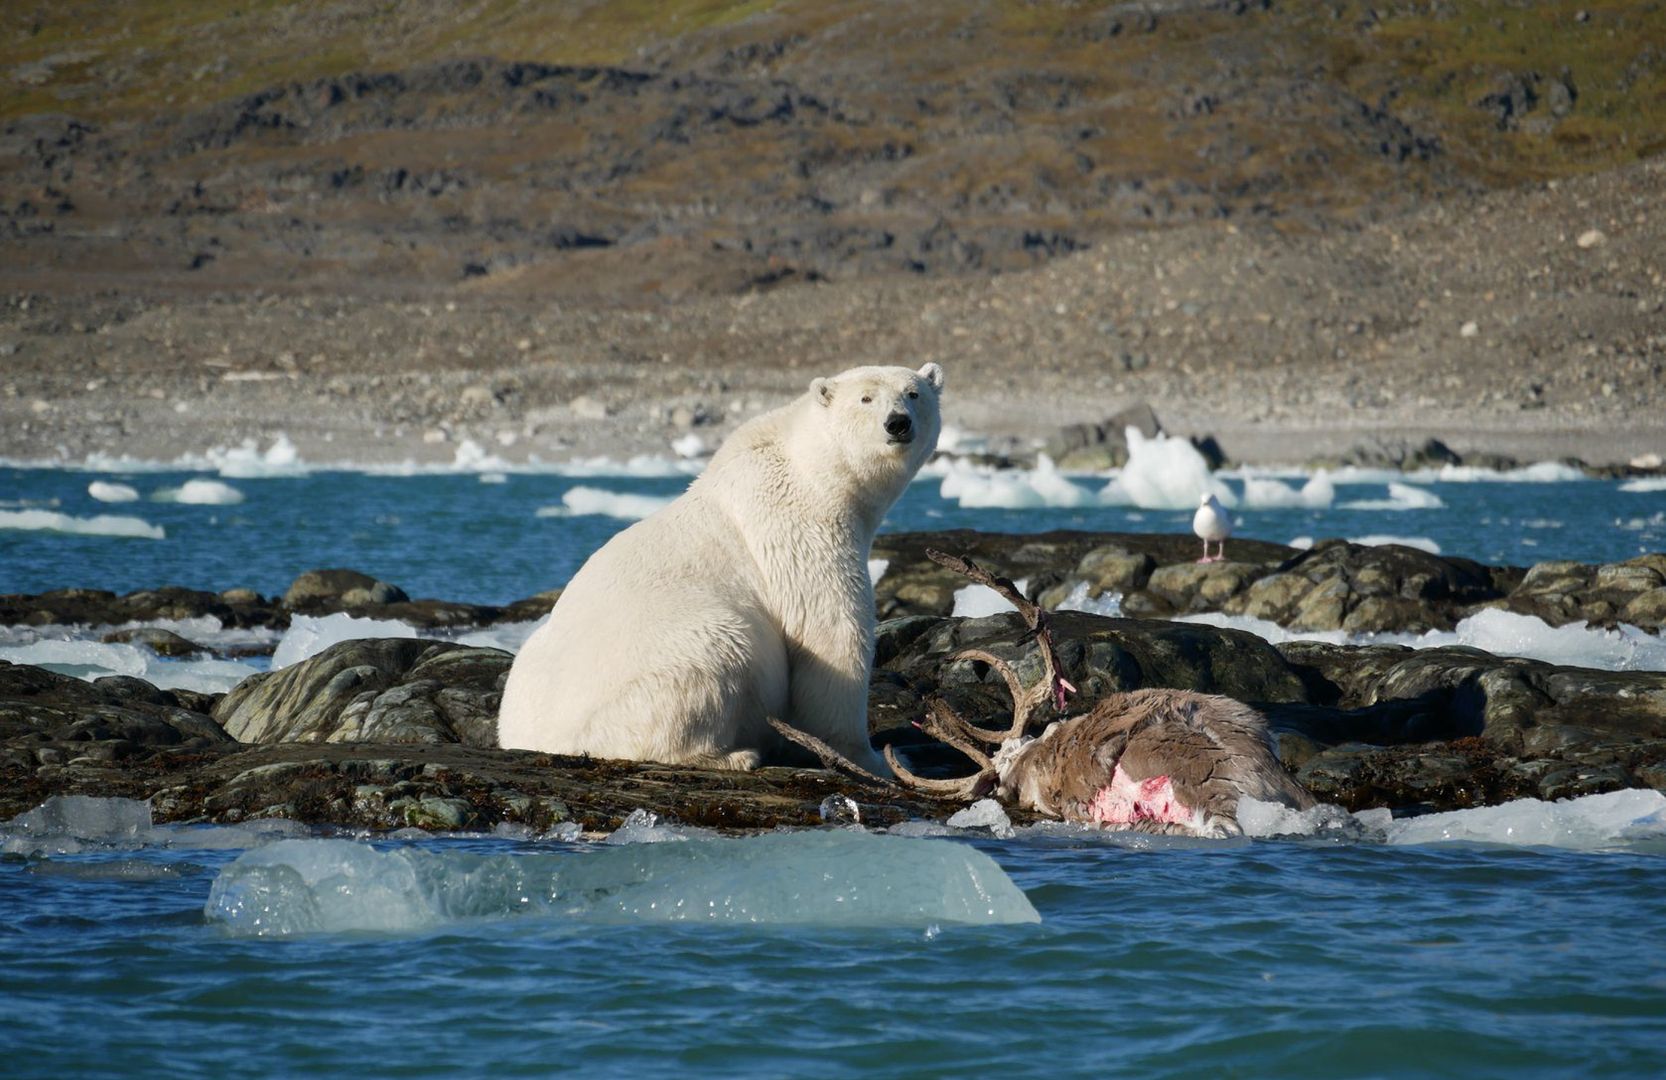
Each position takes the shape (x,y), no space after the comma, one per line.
(747,597)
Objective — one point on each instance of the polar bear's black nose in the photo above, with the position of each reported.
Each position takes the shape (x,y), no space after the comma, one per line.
(900,426)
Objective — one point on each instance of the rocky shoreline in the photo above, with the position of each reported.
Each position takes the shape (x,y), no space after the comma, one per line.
(391,733)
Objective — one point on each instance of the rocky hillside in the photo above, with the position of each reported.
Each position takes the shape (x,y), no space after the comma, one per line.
(638,151)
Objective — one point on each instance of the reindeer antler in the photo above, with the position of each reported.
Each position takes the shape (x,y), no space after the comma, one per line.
(943,724)
(1052,684)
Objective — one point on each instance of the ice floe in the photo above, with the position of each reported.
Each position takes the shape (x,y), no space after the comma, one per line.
(627,506)
(110,492)
(1541,472)
(95,659)
(248,461)
(1265,493)
(1400,497)
(639,467)
(1645,484)
(978,487)
(836,877)
(309,635)
(983,814)
(1421,543)
(115,525)
(977,601)
(73,824)
(1163,473)
(691,445)
(953,439)
(200,492)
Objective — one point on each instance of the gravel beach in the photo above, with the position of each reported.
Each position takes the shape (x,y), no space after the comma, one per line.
(1489,325)
(1297,228)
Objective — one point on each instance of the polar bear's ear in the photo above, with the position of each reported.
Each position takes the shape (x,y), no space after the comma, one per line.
(933,374)
(823,389)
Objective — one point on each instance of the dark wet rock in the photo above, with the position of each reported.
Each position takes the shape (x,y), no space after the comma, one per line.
(1113,568)
(47,718)
(914,585)
(449,787)
(1103,445)
(1633,592)
(99,607)
(159,641)
(1342,586)
(1200,586)
(321,592)
(399,690)
(530,609)
(339,590)
(1334,585)
(1402,454)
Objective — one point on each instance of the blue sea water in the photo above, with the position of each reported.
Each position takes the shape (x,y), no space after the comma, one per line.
(1267,958)
(1314,956)
(427,533)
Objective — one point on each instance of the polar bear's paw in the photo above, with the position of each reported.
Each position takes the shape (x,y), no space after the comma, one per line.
(733,761)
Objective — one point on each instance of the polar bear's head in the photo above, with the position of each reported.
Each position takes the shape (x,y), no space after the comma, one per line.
(884,421)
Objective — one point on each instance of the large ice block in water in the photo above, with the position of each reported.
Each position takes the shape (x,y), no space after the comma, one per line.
(835,878)
(85,817)
(1163,473)
(65,824)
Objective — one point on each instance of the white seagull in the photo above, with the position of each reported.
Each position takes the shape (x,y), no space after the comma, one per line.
(1212,522)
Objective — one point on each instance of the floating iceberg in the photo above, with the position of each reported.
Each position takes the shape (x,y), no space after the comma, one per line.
(1400,497)
(582,501)
(72,824)
(1542,472)
(248,461)
(981,488)
(834,878)
(97,525)
(201,493)
(1421,543)
(1164,473)
(106,491)
(1261,493)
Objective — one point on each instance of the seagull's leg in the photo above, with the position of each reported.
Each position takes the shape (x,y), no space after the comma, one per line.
(1205,550)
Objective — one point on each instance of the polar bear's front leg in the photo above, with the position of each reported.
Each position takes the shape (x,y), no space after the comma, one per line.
(829,699)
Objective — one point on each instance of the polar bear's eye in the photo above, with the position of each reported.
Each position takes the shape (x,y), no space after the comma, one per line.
(867,399)
(913,393)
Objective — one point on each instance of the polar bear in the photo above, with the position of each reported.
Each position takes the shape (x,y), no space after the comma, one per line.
(748,597)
